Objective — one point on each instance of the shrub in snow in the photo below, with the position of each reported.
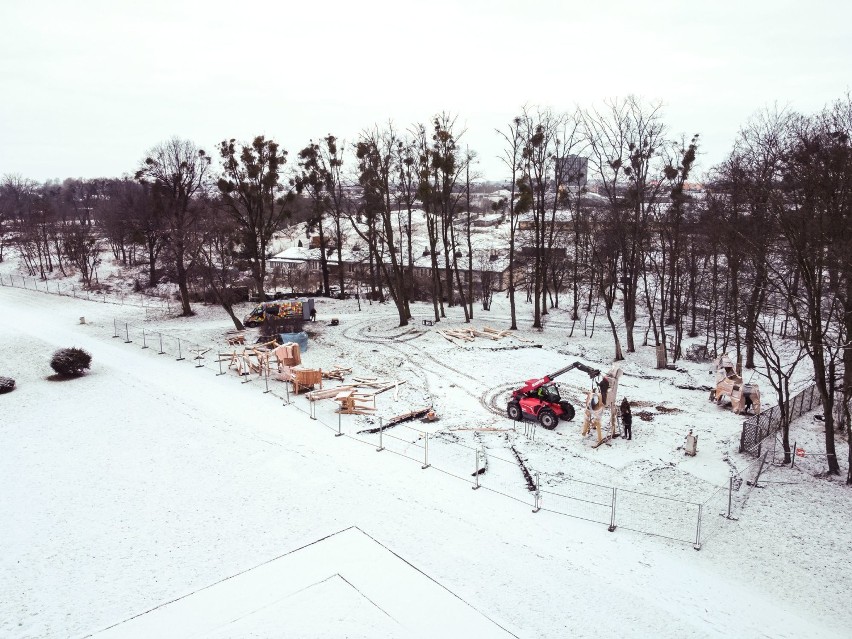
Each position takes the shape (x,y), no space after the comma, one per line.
(70,361)
(7,385)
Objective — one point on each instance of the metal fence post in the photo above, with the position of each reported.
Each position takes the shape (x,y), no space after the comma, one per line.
(697,544)
(793,456)
(162,352)
(219,358)
(537,494)
(127,339)
(476,471)
(266,380)
(730,498)
(426,463)
(180,356)
(339,431)
(612,515)
(381,430)
(114,327)
(144,341)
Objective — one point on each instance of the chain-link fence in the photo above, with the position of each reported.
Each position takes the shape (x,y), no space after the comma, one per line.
(758,428)
(481,465)
(727,502)
(87,293)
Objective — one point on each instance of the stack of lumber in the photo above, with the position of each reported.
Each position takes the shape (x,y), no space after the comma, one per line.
(337,372)
(242,361)
(363,387)
(354,403)
(470,334)
(379,385)
(327,393)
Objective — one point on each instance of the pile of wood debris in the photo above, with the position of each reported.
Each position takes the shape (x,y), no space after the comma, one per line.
(470,334)
(365,386)
(337,372)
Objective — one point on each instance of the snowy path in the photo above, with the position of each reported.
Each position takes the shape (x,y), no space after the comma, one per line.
(146,480)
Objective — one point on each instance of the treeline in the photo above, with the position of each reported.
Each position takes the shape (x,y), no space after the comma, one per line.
(602,208)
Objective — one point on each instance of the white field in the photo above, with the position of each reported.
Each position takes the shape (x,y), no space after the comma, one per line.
(149,480)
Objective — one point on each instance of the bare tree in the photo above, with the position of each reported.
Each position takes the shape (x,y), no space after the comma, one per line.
(253,194)
(625,141)
(816,169)
(519,201)
(218,256)
(178,172)
(376,153)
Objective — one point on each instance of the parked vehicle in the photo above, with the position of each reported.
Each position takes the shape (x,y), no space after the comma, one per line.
(296,309)
(539,400)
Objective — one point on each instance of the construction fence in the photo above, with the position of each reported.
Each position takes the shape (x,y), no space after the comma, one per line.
(757,428)
(140,300)
(492,468)
(498,470)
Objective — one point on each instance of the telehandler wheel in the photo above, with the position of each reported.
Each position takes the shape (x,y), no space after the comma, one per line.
(567,411)
(548,419)
(513,410)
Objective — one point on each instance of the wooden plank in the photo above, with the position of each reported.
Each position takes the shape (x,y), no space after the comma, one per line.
(399,419)
(606,440)
(327,393)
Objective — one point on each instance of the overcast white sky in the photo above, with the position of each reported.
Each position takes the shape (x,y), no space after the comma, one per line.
(87,86)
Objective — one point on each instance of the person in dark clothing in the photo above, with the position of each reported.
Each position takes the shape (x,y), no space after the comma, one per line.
(626,419)
(749,404)
(604,386)
(313,315)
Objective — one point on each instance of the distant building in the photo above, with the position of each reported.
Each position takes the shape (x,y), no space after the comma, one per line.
(574,170)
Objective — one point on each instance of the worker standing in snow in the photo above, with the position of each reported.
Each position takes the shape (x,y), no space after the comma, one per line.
(626,419)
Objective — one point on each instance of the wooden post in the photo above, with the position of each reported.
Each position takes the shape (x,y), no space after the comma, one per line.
(661,356)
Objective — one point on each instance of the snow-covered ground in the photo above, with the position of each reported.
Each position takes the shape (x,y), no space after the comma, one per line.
(149,479)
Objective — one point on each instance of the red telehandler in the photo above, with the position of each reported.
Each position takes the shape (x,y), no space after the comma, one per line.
(538,399)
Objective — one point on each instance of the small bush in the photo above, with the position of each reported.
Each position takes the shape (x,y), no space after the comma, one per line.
(7,385)
(71,362)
